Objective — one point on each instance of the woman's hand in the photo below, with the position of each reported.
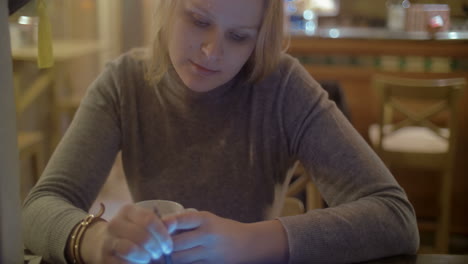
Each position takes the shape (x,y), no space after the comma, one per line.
(202,237)
(134,235)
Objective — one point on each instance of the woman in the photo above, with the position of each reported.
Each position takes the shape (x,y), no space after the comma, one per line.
(215,123)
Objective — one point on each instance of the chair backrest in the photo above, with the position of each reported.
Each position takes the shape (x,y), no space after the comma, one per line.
(292,206)
(399,94)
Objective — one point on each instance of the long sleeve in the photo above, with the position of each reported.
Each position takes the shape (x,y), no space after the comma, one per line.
(232,146)
(75,173)
(369,215)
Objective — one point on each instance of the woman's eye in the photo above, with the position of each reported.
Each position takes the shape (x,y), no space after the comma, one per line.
(201,23)
(198,21)
(238,37)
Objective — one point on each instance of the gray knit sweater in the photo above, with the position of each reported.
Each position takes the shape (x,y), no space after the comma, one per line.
(227,151)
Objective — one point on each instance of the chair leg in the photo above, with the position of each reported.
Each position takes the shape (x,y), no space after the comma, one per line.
(442,238)
(313,198)
(38,162)
(298,185)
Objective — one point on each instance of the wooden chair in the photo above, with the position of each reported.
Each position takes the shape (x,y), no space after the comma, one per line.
(65,104)
(31,144)
(303,183)
(410,133)
(31,147)
(292,206)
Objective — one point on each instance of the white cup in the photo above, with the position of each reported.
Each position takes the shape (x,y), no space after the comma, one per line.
(164,207)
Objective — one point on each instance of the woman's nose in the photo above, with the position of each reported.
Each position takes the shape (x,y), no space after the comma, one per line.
(212,47)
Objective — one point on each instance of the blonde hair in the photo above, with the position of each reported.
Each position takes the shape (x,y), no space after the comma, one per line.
(264,58)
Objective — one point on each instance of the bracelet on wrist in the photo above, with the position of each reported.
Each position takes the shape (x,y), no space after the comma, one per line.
(78,233)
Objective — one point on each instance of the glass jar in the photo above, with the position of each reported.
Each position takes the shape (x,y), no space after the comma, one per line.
(396,14)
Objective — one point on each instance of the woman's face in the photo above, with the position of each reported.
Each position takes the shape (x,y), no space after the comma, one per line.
(210,40)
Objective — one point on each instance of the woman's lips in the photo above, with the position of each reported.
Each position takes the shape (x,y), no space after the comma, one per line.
(202,70)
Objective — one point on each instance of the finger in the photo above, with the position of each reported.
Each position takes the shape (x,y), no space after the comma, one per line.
(127,250)
(111,253)
(119,260)
(172,222)
(152,223)
(192,255)
(115,260)
(187,239)
(124,229)
(184,221)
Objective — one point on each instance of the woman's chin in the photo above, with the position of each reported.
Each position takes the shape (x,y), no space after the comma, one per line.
(199,87)
(198,90)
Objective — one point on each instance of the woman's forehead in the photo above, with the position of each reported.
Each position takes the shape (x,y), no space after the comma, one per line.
(239,12)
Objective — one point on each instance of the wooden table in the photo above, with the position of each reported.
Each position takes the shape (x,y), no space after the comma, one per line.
(64,50)
(423,259)
(411,259)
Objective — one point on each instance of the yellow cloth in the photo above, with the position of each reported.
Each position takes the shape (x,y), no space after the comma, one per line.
(45,57)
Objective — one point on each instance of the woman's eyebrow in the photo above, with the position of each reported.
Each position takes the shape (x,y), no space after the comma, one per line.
(199,8)
(207,13)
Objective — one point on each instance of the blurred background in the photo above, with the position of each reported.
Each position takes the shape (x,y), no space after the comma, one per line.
(341,43)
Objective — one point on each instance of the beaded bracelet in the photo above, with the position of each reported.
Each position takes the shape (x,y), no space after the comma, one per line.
(78,232)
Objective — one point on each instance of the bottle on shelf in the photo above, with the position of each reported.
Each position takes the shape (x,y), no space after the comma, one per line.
(396,14)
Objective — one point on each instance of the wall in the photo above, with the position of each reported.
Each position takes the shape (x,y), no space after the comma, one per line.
(10,230)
